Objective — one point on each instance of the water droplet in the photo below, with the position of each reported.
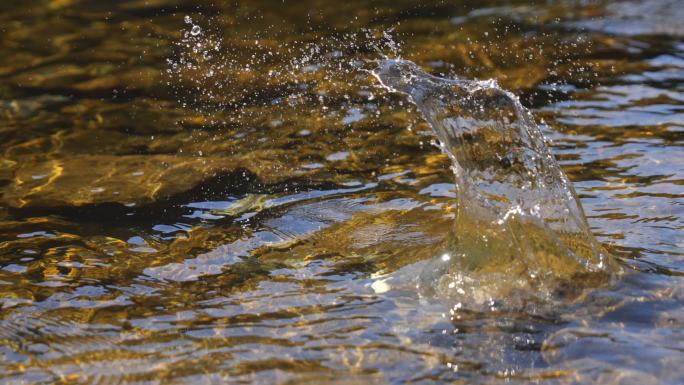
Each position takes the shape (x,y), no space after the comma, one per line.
(195,30)
(187,19)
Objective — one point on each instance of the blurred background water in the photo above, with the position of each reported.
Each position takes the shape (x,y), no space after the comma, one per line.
(205,192)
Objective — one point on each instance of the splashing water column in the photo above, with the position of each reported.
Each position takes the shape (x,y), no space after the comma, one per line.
(520,227)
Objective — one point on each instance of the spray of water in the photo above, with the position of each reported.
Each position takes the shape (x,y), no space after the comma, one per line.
(520,231)
(230,76)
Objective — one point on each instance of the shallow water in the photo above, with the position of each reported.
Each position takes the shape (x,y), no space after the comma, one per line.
(261,216)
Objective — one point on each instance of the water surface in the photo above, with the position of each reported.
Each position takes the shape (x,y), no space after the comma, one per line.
(259,213)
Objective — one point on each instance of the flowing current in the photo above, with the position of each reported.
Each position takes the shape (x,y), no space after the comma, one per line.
(202,192)
(520,232)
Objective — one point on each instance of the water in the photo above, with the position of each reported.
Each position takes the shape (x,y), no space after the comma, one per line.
(262,217)
(519,227)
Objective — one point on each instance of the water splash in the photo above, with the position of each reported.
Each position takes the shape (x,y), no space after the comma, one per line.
(519,228)
(520,232)
(215,73)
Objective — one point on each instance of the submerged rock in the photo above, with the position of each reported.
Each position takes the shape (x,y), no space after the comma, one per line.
(130,179)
